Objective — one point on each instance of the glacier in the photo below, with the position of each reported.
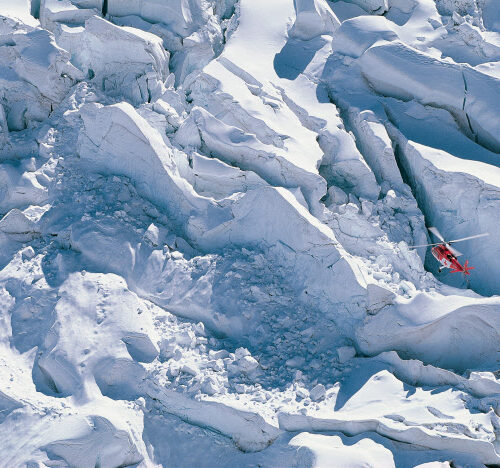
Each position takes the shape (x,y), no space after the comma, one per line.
(208,210)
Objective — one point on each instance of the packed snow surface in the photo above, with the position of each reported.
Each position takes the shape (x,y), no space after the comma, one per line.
(207,217)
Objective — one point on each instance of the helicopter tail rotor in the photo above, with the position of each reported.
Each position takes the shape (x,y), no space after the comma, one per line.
(465,269)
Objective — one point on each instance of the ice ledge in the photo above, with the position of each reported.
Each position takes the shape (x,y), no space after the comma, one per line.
(248,430)
(393,430)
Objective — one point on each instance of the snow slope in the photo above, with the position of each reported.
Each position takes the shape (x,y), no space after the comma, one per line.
(207,209)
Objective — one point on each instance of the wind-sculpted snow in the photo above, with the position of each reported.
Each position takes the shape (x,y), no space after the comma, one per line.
(207,217)
(313,18)
(404,424)
(399,71)
(233,146)
(377,7)
(448,339)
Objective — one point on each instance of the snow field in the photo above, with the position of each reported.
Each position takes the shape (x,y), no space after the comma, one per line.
(207,209)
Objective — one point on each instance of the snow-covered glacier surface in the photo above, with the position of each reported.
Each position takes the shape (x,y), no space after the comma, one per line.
(207,209)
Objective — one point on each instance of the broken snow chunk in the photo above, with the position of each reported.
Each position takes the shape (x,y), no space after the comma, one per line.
(167,348)
(243,363)
(216,365)
(188,135)
(18,226)
(345,353)
(240,388)
(240,353)
(317,393)
(221,354)
(349,209)
(210,386)
(407,287)
(302,393)
(247,364)
(199,328)
(382,276)
(298,376)
(391,200)
(336,196)
(457,19)
(297,361)
(186,338)
(140,347)
(173,370)
(28,253)
(367,208)
(152,235)
(484,383)
(182,245)
(189,369)
(178,354)
(173,98)
(164,108)
(201,340)
(141,402)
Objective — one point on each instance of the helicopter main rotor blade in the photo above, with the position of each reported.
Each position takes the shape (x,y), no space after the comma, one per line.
(454,251)
(470,237)
(423,245)
(435,231)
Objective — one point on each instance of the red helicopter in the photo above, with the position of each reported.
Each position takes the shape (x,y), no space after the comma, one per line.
(447,255)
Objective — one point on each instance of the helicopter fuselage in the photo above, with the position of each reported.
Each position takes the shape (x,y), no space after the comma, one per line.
(444,256)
